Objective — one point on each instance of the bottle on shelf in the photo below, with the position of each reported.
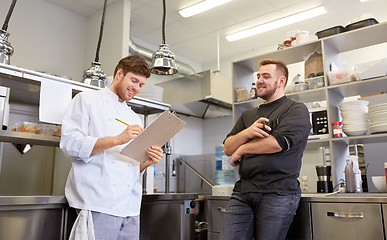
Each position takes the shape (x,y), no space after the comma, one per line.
(253,91)
(355,165)
(349,177)
(385,170)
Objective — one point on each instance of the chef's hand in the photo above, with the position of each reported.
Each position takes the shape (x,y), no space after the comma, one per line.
(236,158)
(256,129)
(129,133)
(155,154)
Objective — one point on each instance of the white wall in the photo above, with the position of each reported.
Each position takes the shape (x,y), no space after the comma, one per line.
(46,37)
(114,45)
(52,39)
(214,132)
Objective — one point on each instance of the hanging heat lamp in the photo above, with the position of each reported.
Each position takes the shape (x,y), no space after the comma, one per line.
(94,75)
(163,60)
(6,50)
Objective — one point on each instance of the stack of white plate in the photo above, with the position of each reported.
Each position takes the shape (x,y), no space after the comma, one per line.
(355,117)
(378,118)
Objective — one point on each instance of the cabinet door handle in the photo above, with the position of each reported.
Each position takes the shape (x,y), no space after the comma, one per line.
(358,215)
(222,209)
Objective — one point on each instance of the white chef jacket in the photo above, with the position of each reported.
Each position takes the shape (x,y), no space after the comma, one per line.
(107,181)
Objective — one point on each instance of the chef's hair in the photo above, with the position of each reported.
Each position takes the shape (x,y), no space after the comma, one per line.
(281,66)
(135,64)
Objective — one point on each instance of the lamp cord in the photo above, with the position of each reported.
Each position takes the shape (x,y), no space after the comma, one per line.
(5,25)
(100,33)
(163,26)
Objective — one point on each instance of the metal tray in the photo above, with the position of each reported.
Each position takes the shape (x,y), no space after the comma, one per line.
(330,31)
(360,24)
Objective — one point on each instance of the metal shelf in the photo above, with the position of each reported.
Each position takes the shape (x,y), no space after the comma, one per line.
(358,38)
(362,87)
(363,139)
(28,138)
(29,81)
(288,55)
(25,85)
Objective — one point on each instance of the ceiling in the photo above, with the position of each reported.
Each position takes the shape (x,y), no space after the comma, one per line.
(201,38)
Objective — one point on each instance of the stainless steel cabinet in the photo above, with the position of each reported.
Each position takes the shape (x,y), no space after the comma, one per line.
(165,216)
(216,214)
(347,221)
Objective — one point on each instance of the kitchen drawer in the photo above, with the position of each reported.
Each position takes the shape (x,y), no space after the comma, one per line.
(346,221)
(216,211)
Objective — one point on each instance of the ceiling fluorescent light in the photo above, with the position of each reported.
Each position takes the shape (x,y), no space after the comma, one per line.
(201,7)
(298,17)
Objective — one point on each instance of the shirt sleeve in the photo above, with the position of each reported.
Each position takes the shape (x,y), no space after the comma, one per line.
(293,127)
(75,140)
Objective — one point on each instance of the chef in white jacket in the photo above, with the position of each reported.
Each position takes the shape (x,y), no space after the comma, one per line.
(101,180)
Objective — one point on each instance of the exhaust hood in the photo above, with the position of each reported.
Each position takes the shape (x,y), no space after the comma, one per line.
(207,94)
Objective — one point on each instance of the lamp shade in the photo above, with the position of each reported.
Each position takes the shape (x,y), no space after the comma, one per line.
(94,75)
(163,61)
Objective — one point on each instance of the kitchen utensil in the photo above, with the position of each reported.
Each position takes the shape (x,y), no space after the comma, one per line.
(360,24)
(324,184)
(315,82)
(330,31)
(380,183)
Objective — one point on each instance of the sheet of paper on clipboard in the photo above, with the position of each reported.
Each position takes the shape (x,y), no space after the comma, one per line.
(163,128)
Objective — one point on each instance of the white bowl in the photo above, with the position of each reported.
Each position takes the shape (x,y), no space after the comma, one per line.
(355,103)
(355,132)
(380,183)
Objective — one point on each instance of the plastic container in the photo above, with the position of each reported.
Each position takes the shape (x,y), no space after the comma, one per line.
(371,69)
(316,82)
(28,127)
(350,186)
(358,182)
(224,177)
(330,31)
(385,170)
(47,129)
(300,86)
(337,129)
(360,24)
(302,37)
(219,152)
(342,76)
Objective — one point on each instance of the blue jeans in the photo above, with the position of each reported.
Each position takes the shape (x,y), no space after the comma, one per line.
(259,216)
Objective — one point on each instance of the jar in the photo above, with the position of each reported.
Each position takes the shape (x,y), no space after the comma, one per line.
(337,129)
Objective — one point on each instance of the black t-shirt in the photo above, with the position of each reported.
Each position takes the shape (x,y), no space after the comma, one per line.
(277,172)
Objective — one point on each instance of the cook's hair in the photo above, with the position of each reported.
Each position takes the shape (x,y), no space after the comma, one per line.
(135,64)
(281,66)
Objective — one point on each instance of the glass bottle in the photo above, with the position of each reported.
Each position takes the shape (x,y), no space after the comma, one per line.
(253,92)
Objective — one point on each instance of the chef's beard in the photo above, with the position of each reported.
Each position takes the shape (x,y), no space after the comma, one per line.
(269,93)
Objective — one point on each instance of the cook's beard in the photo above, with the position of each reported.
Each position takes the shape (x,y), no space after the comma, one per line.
(268,94)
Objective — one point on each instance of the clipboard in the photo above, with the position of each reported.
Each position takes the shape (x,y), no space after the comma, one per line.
(163,128)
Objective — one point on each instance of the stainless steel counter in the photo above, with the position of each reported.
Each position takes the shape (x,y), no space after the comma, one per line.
(331,197)
(31,200)
(35,217)
(168,197)
(345,197)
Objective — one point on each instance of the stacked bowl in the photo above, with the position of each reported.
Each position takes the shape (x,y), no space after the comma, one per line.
(378,118)
(355,117)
